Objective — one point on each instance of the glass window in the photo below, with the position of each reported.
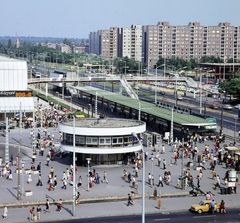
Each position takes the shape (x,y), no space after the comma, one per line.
(92,140)
(69,138)
(80,140)
(117,140)
(105,140)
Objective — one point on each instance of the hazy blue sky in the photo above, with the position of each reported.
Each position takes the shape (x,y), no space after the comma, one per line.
(77,18)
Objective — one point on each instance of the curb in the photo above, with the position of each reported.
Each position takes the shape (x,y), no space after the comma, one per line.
(92,200)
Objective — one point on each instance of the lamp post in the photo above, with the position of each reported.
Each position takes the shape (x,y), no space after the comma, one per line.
(200,105)
(156,81)
(74,174)
(235,128)
(58,96)
(125,68)
(19,180)
(88,162)
(152,171)
(143,178)
(22,163)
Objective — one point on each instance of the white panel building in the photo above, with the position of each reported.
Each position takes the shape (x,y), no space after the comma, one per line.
(13,75)
(14,94)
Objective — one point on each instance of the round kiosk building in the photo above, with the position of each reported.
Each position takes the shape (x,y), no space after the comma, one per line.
(107,141)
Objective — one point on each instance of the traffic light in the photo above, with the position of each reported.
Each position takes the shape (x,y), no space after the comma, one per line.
(75,63)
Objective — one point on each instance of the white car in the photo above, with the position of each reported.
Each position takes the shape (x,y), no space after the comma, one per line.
(237,106)
(179,98)
(227,107)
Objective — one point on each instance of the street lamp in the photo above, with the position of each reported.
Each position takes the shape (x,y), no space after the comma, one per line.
(19,180)
(74,173)
(235,128)
(143,178)
(22,163)
(58,96)
(152,157)
(88,162)
(156,81)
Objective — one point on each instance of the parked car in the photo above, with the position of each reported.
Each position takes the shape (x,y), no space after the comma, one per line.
(213,106)
(237,106)
(204,206)
(227,107)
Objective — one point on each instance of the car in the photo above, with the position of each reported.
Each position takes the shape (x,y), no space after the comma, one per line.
(227,107)
(237,106)
(161,93)
(204,206)
(179,98)
(213,106)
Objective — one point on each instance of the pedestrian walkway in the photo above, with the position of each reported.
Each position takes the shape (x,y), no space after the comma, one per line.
(109,199)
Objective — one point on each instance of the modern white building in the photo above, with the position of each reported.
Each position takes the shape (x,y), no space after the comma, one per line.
(106,141)
(14,93)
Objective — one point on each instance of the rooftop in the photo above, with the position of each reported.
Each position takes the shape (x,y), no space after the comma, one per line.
(104,123)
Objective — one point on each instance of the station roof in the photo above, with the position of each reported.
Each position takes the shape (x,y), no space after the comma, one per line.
(152,109)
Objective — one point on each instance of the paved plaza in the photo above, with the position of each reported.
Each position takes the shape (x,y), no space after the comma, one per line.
(109,199)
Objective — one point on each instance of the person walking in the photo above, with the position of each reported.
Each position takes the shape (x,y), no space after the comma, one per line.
(31,213)
(39,183)
(155,193)
(159,160)
(39,167)
(39,210)
(129,200)
(29,181)
(55,181)
(47,207)
(78,198)
(164,164)
(212,205)
(64,184)
(198,181)
(129,177)
(160,181)
(149,178)
(222,207)
(5,212)
(105,177)
(79,184)
(217,182)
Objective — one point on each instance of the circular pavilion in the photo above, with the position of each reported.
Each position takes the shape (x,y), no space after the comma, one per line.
(107,141)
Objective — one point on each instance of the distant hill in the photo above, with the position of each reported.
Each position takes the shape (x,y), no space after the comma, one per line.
(33,39)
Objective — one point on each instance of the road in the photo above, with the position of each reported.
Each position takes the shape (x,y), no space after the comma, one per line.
(188,102)
(233,215)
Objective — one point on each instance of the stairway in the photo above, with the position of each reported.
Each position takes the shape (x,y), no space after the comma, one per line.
(128,87)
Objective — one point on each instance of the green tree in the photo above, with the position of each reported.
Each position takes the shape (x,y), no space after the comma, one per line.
(231,87)
(9,44)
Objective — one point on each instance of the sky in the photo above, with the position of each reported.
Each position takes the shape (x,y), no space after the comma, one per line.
(77,18)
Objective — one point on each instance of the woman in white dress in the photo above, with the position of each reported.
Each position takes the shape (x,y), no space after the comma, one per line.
(5,210)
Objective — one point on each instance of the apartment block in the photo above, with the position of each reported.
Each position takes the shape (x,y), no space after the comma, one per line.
(131,42)
(94,43)
(190,41)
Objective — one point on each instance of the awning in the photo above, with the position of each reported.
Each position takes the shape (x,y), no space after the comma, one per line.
(12,104)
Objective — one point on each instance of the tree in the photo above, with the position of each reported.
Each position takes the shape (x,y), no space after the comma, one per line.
(231,87)
(9,44)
